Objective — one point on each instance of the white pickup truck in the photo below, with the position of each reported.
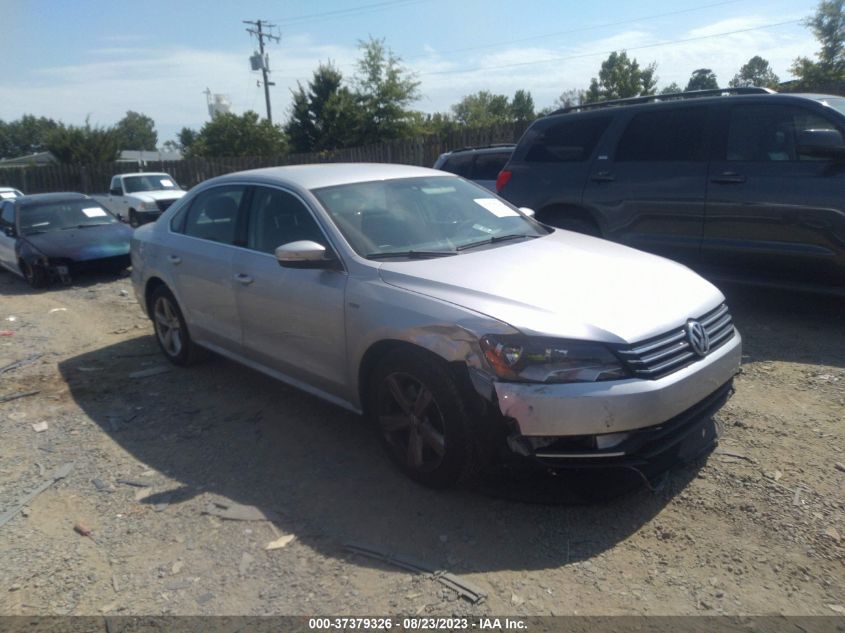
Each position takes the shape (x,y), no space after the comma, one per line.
(140,198)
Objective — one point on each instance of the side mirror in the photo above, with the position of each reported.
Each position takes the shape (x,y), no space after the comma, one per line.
(9,231)
(821,143)
(305,254)
(527,211)
(115,192)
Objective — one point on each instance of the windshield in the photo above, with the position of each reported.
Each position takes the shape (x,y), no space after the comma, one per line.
(414,216)
(837,103)
(57,216)
(148,182)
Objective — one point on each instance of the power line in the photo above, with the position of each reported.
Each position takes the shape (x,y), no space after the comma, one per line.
(595,27)
(351,11)
(263,63)
(626,48)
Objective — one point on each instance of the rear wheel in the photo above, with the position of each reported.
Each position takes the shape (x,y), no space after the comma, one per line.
(422,419)
(171,330)
(34,274)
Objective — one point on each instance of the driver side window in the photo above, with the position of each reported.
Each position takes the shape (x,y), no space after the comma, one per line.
(277,217)
(7,216)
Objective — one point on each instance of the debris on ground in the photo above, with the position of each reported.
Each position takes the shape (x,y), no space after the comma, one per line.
(134,483)
(80,528)
(61,472)
(40,427)
(54,310)
(461,586)
(20,363)
(238,512)
(279,543)
(152,371)
(839,466)
(6,333)
(17,396)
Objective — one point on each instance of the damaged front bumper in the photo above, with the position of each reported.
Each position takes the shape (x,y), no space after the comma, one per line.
(624,422)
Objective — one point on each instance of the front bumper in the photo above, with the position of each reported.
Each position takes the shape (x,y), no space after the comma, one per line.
(603,408)
(145,217)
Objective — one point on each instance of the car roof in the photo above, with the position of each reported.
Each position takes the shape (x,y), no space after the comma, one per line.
(145,173)
(331,174)
(50,197)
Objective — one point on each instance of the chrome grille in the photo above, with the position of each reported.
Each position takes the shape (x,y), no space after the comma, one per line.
(661,355)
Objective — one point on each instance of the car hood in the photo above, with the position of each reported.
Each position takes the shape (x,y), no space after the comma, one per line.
(565,285)
(157,195)
(96,242)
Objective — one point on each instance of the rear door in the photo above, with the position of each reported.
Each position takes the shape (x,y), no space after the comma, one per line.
(198,255)
(293,320)
(649,188)
(7,243)
(771,211)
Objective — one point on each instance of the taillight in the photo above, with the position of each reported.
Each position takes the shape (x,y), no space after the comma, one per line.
(503,179)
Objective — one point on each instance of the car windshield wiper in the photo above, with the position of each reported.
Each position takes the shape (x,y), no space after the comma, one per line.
(494,239)
(410,254)
(85,226)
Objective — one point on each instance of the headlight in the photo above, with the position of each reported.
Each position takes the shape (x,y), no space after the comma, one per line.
(542,359)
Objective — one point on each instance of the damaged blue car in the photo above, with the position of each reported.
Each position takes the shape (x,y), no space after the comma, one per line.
(52,236)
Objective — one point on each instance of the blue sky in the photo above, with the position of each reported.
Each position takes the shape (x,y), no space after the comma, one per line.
(69,60)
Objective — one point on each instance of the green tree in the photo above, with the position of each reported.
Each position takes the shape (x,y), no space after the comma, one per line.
(83,145)
(702,79)
(228,134)
(522,106)
(621,77)
(325,115)
(186,137)
(26,135)
(827,74)
(482,109)
(672,88)
(136,131)
(384,90)
(756,72)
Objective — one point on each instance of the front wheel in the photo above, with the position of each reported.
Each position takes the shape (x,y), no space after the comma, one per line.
(134,222)
(422,419)
(171,330)
(34,274)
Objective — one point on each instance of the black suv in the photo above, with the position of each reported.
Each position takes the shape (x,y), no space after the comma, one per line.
(746,184)
(479,164)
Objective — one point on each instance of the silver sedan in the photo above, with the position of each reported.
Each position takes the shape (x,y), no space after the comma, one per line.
(465,329)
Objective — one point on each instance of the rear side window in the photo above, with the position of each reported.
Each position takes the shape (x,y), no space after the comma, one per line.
(765,133)
(459,164)
(213,214)
(664,135)
(488,166)
(571,140)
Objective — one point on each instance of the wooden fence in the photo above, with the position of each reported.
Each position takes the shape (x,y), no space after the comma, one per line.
(422,151)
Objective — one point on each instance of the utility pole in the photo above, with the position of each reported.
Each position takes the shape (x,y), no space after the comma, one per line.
(261,34)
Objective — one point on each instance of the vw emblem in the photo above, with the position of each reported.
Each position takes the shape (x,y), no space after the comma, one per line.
(697,337)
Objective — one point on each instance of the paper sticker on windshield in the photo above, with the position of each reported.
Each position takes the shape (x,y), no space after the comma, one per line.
(7,194)
(166,182)
(434,190)
(93,212)
(496,207)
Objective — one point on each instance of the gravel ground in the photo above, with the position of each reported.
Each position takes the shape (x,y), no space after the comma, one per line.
(756,528)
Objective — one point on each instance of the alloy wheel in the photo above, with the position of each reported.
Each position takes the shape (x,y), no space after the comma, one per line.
(168,327)
(411,422)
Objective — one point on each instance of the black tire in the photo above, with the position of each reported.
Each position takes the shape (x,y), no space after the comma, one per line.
(171,331)
(578,225)
(134,222)
(422,419)
(34,274)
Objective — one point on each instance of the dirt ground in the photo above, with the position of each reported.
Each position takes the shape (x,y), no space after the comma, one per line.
(758,527)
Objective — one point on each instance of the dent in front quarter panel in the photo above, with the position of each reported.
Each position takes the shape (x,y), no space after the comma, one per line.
(377,312)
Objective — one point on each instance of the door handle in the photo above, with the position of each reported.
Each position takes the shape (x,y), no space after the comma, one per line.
(602,176)
(174,259)
(243,279)
(728,178)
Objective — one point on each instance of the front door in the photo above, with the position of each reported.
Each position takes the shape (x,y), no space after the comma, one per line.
(772,211)
(292,319)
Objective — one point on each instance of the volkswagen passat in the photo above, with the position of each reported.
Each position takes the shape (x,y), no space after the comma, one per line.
(465,329)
